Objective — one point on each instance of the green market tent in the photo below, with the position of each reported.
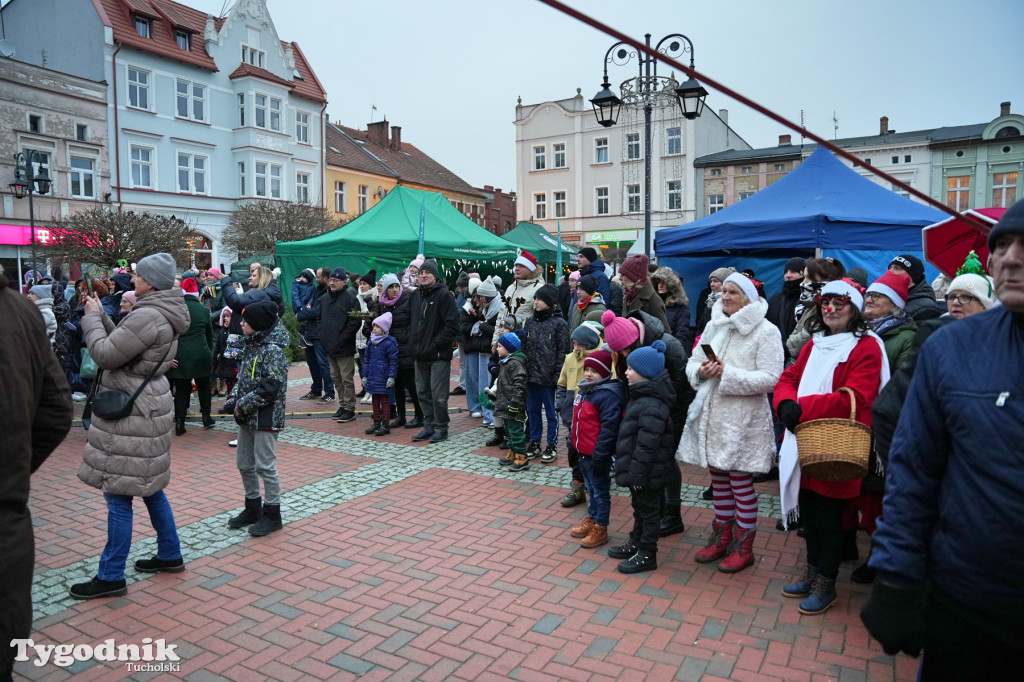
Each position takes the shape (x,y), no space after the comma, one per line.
(540,243)
(386,238)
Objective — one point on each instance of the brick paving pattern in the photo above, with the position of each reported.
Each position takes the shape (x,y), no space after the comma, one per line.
(405,561)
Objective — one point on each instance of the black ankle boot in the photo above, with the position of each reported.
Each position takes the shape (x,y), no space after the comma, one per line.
(269,522)
(179,427)
(383,429)
(398,421)
(497,439)
(249,515)
(208,422)
(372,428)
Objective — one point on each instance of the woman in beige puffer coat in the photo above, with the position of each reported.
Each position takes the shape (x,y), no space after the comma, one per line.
(131,457)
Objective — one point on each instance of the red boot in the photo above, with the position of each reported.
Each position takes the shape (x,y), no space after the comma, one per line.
(741,554)
(718,544)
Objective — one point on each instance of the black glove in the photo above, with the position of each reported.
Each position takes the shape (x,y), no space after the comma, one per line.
(228,407)
(789,413)
(895,617)
(599,467)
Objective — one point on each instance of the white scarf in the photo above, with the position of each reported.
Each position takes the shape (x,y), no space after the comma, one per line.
(827,353)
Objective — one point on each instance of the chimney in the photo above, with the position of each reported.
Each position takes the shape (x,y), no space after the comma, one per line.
(724,115)
(396,138)
(1004,109)
(378,132)
(785,139)
(883,125)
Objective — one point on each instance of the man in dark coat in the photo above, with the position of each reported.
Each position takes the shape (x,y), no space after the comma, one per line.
(338,334)
(921,303)
(782,306)
(308,314)
(590,264)
(434,324)
(35,415)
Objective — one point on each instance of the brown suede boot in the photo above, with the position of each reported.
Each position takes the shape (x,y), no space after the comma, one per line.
(508,459)
(520,463)
(582,530)
(597,537)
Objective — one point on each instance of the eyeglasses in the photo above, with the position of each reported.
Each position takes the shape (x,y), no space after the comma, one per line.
(873,296)
(836,302)
(961,298)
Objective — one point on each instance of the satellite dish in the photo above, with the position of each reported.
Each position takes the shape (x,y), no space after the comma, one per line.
(6,48)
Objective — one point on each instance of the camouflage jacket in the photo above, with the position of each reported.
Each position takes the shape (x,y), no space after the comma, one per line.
(259,395)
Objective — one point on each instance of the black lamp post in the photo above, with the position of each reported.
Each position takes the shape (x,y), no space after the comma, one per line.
(27,182)
(649,85)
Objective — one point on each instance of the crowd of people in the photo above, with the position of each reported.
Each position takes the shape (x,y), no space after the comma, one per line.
(612,367)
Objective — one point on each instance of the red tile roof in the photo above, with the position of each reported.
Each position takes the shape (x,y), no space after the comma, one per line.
(410,164)
(345,152)
(309,85)
(256,72)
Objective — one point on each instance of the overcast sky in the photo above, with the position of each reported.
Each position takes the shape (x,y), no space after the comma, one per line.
(449,71)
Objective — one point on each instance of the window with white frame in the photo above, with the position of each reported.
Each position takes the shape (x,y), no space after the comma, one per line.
(540,206)
(745,195)
(1004,189)
(540,158)
(559,150)
(302,187)
(241,110)
(183,39)
(632,198)
(958,191)
(191,173)
(559,204)
(896,159)
(268,112)
(906,158)
(364,198)
(780,167)
(601,150)
(276,175)
(40,163)
(251,55)
(142,26)
(632,146)
(601,200)
(674,137)
(142,167)
(191,100)
(241,178)
(80,178)
(746,170)
(716,202)
(302,127)
(675,195)
(899,190)
(340,204)
(268,180)
(716,171)
(138,88)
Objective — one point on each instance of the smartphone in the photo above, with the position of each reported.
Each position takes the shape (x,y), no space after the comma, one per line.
(709,352)
(88,283)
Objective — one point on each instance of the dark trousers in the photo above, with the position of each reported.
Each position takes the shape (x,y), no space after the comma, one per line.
(406,381)
(319,370)
(540,398)
(646,518)
(672,497)
(183,391)
(432,383)
(381,407)
(822,519)
(574,464)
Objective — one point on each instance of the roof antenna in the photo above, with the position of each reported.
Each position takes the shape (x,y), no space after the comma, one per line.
(835,123)
(802,128)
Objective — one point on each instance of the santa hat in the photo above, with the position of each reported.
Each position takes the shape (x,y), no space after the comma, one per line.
(894,285)
(844,287)
(189,286)
(527,260)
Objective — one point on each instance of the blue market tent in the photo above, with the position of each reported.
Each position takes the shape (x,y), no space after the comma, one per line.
(821,205)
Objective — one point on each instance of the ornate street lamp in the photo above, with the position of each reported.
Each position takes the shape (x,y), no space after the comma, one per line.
(690,96)
(26,183)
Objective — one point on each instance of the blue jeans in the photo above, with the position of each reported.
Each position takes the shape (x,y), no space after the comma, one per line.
(325,368)
(538,396)
(477,379)
(119,532)
(599,498)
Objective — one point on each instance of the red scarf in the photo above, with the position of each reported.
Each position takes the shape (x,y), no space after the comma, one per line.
(632,293)
(581,303)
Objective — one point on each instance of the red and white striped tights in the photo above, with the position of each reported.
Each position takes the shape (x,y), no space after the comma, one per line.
(735,496)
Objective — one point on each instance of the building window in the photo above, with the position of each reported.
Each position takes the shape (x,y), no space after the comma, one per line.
(746,170)
(251,55)
(241,109)
(241,178)
(302,127)
(906,158)
(632,198)
(364,198)
(339,197)
(191,173)
(540,206)
(191,99)
(1004,189)
(632,146)
(601,150)
(780,166)
(35,123)
(867,161)
(745,195)
(142,167)
(674,136)
(559,204)
(142,26)
(81,132)
(268,180)
(716,202)
(539,158)
(675,195)
(899,190)
(958,190)
(601,196)
(895,159)
(268,112)
(81,178)
(183,39)
(716,171)
(302,187)
(559,155)
(138,88)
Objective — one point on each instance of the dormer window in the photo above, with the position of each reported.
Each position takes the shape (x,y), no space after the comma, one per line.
(183,39)
(142,26)
(251,55)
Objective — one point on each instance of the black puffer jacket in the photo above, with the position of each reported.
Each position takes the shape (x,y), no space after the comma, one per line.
(401,319)
(782,310)
(435,322)
(237,301)
(675,364)
(546,345)
(646,447)
(481,343)
(338,329)
(511,390)
(921,303)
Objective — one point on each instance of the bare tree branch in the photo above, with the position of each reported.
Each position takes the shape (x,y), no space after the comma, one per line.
(256,226)
(105,237)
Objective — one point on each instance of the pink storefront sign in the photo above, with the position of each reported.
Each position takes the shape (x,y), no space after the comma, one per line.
(21,235)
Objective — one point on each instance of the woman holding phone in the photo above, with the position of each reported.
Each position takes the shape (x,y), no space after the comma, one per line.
(729,424)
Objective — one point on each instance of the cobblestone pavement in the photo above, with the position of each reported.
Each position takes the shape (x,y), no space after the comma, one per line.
(417,561)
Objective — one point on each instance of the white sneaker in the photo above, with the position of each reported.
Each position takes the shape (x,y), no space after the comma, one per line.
(78,397)
(233,443)
(367,399)
(476,415)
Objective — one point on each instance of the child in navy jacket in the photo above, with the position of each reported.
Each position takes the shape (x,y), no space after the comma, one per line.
(378,373)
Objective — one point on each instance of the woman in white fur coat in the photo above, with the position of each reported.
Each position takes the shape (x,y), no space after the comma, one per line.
(729,424)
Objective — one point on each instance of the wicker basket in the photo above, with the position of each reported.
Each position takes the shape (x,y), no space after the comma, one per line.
(834,449)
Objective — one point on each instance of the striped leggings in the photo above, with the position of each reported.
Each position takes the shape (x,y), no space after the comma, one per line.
(735,497)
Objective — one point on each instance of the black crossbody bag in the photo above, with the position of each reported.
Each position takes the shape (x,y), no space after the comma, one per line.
(114,404)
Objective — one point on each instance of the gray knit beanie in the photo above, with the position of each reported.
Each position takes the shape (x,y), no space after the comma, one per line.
(158,269)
